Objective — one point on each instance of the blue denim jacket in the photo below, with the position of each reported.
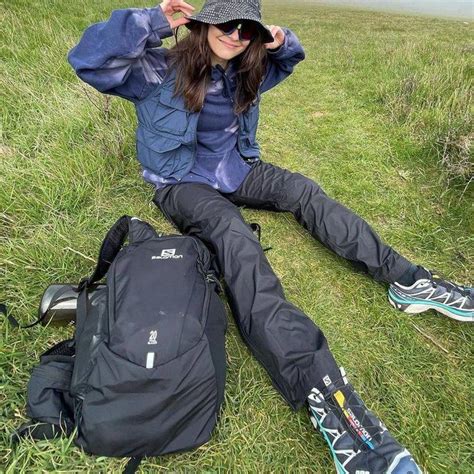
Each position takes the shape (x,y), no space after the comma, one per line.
(123,56)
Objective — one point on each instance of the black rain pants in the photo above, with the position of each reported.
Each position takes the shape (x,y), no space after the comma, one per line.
(284,340)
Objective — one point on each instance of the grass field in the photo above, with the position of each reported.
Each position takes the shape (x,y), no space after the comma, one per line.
(378,114)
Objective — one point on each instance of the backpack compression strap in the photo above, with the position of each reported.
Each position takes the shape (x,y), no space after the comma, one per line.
(134,228)
(38,430)
(257,230)
(132,465)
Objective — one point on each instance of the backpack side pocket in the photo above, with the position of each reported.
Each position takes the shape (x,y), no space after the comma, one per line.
(49,400)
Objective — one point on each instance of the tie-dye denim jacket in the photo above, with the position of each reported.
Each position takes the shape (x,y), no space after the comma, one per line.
(123,56)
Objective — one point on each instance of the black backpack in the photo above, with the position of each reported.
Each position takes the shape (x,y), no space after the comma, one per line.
(144,374)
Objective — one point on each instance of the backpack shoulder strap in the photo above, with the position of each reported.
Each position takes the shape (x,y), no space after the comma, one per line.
(134,228)
(139,231)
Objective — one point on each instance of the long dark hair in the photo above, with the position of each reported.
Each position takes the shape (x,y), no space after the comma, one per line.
(191,56)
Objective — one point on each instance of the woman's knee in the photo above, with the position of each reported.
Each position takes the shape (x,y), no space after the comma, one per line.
(298,191)
(230,227)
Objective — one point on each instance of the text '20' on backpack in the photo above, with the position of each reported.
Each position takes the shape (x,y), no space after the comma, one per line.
(145,372)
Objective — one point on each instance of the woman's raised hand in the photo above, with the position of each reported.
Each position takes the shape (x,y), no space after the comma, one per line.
(171,7)
(278,35)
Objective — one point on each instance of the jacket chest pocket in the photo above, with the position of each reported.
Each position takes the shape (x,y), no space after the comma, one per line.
(163,155)
(171,114)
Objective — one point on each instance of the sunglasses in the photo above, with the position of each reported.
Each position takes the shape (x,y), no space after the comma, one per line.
(247,30)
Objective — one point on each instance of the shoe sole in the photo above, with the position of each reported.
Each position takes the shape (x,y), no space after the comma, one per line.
(419,306)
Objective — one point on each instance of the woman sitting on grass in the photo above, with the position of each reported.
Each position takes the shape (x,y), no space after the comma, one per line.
(198,106)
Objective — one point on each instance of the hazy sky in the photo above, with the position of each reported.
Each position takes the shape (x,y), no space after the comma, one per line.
(447,8)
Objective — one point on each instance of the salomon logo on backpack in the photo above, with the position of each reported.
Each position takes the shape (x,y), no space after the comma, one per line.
(144,374)
(166,253)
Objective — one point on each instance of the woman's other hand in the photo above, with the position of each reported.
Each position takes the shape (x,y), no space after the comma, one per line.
(171,7)
(278,35)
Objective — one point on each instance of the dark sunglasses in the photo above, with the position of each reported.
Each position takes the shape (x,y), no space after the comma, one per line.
(247,30)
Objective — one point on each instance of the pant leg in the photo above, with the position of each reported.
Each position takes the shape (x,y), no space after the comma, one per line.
(285,341)
(270,187)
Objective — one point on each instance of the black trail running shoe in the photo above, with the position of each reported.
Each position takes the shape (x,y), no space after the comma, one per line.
(359,442)
(450,299)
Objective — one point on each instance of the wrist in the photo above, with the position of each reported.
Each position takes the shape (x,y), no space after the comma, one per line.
(274,50)
(160,25)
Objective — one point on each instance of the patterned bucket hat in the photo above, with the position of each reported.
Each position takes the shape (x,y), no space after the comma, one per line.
(221,11)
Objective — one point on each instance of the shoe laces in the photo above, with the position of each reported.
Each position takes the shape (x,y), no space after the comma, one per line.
(357,407)
(438,280)
(355,403)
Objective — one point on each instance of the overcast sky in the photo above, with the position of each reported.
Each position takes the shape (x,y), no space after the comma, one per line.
(447,8)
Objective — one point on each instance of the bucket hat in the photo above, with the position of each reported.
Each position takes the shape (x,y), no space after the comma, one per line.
(220,11)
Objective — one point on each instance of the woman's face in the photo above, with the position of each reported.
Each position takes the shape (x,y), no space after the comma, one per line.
(225,47)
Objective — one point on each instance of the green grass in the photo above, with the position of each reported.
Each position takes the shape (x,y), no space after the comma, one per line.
(378,114)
